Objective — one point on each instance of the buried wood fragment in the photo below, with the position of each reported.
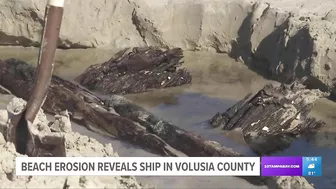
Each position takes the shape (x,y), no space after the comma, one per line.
(136,70)
(273,118)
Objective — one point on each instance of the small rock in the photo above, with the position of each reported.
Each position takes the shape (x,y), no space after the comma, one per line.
(62,123)
(327,66)
(16,105)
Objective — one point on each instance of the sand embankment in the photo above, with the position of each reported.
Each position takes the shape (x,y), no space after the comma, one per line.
(282,37)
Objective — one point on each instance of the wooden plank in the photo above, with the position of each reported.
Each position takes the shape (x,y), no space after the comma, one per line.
(273,118)
(136,70)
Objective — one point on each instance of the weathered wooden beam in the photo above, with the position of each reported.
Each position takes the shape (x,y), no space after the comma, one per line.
(136,70)
(84,107)
(273,118)
(88,110)
(186,142)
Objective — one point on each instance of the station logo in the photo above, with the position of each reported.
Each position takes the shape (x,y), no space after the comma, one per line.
(281,166)
(291,166)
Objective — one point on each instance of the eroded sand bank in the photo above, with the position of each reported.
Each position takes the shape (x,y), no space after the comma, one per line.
(286,37)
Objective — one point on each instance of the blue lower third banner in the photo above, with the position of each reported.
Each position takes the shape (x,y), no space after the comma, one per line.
(291,166)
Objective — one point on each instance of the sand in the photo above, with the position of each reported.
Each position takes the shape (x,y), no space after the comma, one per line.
(278,38)
(76,145)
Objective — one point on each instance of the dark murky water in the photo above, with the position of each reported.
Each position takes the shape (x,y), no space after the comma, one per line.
(191,112)
(218,82)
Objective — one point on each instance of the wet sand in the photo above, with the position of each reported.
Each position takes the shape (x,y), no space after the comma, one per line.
(218,82)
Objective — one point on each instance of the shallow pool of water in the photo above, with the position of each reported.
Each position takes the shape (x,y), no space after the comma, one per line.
(192,111)
(218,82)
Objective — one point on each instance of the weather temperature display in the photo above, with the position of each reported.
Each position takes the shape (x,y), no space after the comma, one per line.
(312,166)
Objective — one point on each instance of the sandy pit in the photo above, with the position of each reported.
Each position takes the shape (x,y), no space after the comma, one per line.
(274,38)
(219,82)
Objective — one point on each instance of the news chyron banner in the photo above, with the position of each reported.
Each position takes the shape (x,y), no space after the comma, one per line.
(169,166)
(138,166)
